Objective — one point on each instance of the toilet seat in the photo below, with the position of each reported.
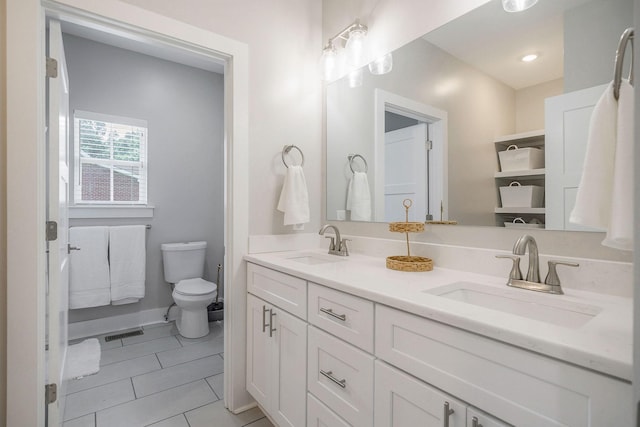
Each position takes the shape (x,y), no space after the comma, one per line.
(195,287)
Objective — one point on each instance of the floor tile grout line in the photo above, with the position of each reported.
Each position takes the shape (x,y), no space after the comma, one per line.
(175,386)
(188,361)
(134,388)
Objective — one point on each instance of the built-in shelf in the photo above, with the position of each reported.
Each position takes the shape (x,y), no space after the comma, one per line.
(530,173)
(537,211)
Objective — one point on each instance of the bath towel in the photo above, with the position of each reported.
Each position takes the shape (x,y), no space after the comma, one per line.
(89,284)
(605,195)
(127,258)
(82,359)
(359,197)
(294,198)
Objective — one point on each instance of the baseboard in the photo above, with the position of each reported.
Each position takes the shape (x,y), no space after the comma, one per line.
(105,325)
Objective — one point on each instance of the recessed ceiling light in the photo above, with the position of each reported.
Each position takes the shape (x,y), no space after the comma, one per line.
(517,5)
(529,58)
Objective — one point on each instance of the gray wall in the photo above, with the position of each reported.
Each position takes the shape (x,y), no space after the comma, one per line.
(184,110)
(592,32)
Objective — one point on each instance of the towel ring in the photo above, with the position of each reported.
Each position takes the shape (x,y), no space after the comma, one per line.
(627,35)
(286,150)
(352,157)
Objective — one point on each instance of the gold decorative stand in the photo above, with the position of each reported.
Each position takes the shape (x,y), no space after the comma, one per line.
(408,262)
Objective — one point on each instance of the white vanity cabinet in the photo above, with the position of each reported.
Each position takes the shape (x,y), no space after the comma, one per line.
(277,346)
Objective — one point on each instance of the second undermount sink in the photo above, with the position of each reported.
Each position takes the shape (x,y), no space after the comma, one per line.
(553,309)
(314,259)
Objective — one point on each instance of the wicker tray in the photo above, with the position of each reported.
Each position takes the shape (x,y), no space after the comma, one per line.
(406,227)
(409,263)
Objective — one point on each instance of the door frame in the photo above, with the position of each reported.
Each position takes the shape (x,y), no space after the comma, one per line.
(438,169)
(26,180)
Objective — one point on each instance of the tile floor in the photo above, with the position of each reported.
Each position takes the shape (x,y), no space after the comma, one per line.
(157,379)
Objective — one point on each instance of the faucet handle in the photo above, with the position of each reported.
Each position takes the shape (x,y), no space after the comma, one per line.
(515,268)
(332,246)
(552,276)
(343,246)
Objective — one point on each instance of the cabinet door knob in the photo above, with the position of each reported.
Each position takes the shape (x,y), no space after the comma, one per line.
(447,413)
(264,318)
(329,374)
(330,312)
(475,423)
(271,328)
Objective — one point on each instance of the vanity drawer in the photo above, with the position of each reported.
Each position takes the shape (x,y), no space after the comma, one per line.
(318,415)
(346,316)
(519,386)
(287,292)
(341,376)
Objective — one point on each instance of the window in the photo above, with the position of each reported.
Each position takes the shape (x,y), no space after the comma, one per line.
(110,160)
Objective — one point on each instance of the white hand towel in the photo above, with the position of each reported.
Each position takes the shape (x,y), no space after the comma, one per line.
(89,284)
(127,257)
(605,195)
(294,198)
(359,197)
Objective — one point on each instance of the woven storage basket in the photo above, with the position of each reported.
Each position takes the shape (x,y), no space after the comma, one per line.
(409,263)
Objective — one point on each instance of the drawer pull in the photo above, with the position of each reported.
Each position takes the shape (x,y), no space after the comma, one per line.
(264,318)
(271,328)
(330,312)
(329,374)
(447,413)
(475,423)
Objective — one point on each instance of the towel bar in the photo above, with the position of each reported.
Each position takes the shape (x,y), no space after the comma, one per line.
(627,35)
(352,157)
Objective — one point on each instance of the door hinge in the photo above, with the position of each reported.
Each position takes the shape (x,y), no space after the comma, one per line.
(428,144)
(52,68)
(51,231)
(50,393)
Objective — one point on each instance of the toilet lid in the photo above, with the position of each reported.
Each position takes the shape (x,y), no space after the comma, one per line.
(195,287)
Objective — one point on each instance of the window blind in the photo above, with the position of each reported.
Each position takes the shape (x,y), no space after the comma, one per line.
(111,159)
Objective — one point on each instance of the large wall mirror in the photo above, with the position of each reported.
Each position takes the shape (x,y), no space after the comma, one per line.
(431,129)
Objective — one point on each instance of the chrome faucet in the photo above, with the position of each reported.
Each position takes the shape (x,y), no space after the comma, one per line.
(551,282)
(533,272)
(338,246)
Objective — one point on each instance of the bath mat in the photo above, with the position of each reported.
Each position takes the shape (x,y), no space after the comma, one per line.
(82,359)
(123,335)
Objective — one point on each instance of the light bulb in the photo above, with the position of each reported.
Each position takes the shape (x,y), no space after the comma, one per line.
(517,5)
(355,47)
(355,78)
(529,58)
(329,63)
(382,65)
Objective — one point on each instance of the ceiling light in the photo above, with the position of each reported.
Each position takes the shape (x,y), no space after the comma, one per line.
(530,57)
(517,5)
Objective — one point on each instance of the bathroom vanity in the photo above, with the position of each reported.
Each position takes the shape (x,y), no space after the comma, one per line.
(343,341)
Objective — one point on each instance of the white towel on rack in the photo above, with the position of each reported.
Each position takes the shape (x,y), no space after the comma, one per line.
(294,198)
(359,197)
(127,257)
(605,195)
(89,284)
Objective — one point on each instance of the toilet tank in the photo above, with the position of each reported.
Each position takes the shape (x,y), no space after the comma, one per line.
(183,260)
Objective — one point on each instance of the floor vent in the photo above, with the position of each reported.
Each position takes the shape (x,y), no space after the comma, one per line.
(124,335)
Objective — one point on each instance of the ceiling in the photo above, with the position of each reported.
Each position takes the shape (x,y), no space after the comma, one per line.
(493,41)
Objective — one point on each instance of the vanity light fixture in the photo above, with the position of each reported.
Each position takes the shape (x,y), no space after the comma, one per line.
(355,77)
(355,51)
(517,5)
(530,57)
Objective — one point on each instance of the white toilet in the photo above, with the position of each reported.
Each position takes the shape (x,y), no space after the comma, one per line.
(183,267)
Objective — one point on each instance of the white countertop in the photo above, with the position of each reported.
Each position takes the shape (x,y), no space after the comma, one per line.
(603,344)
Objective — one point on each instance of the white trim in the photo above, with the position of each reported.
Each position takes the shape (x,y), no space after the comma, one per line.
(26,196)
(438,169)
(106,325)
(77,212)
(110,118)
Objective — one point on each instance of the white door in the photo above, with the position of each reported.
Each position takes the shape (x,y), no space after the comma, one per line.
(259,353)
(403,401)
(57,210)
(566,127)
(406,174)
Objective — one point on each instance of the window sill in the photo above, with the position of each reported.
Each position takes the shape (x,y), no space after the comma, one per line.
(77,212)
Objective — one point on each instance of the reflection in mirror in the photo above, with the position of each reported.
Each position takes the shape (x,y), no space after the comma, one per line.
(432,128)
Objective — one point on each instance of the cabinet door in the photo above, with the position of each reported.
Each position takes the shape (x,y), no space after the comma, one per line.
(476,418)
(289,369)
(403,401)
(258,351)
(318,415)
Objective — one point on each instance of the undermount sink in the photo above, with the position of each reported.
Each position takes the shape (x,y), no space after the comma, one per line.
(314,259)
(551,309)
